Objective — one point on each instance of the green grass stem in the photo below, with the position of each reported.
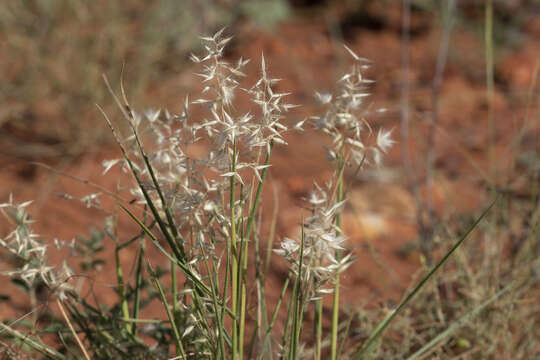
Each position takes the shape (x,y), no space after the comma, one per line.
(138,286)
(234,257)
(335,301)
(297,301)
(179,346)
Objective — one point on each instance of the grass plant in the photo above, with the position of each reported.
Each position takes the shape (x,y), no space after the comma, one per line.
(204,215)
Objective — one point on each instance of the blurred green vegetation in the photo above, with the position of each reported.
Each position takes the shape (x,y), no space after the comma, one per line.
(53,53)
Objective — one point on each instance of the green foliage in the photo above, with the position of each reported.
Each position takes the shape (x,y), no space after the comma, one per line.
(89,248)
(266,13)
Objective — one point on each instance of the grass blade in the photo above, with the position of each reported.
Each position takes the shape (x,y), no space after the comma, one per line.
(138,286)
(179,255)
(266,340)
(179,346)
(128,114)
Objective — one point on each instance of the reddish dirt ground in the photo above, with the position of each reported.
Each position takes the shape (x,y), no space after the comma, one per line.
(380,215)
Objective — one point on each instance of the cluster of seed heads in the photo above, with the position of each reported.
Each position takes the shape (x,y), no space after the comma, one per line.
(31,253)
(322,237)
(195,187)
(345,120)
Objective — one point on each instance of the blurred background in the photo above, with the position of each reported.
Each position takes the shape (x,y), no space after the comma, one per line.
(462,100)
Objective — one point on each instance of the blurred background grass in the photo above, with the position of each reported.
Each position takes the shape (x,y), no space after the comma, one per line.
(53,54)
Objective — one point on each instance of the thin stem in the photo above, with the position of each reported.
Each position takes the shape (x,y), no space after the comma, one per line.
(318,329)
(79,342)
(138,286)
(254,207)
(179,346)
(234,275)
(244,251)
(225,285)
(242,294)
(335,303)
(174,287)
(297,304)
(215,292)
(288,324)
(275,313)
(120,278)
